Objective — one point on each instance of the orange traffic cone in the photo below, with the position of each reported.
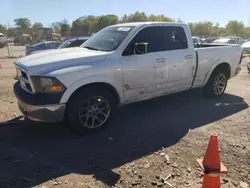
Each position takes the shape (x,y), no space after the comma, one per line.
(211,161)
(211,182)
(211,164)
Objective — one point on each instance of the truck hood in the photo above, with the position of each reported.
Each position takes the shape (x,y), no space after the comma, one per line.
(50,60)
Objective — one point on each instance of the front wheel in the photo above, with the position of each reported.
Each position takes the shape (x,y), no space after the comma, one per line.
(216,84)
(90,109)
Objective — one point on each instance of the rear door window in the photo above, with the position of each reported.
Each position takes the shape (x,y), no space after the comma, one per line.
(174,38)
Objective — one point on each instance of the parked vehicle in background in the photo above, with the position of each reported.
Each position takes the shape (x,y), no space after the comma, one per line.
(226,41)
(209,40)
(10,40)
(119,65)
(22,39)
(3,40)
(238,39)
(42,46)
(246,47)
(197,42)
(75,42)
(45,34)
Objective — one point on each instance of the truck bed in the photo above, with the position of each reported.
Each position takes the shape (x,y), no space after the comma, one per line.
(208,56)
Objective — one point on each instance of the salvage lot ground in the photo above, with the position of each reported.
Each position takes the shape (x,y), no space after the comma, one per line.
(144,144)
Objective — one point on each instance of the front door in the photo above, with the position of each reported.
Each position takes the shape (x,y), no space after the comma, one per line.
(139,76)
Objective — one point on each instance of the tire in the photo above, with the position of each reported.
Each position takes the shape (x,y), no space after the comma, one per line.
(88,103)
(213,88)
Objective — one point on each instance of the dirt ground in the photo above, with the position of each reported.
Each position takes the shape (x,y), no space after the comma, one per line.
(149,144)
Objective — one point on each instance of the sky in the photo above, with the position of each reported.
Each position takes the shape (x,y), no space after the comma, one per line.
(48,11)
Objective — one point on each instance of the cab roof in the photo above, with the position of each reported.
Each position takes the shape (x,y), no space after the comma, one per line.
(134,24)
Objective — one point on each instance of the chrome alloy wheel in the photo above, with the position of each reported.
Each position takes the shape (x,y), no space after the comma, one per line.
(220,83)
(94,113)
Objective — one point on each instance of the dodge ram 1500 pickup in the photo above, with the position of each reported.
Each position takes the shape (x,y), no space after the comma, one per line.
(119,65)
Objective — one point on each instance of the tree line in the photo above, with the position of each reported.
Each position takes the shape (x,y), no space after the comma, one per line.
(87,25)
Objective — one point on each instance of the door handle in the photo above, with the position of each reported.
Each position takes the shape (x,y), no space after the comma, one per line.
(189,56)
(161,60)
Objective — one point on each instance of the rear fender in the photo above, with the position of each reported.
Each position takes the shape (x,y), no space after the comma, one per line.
(210,72)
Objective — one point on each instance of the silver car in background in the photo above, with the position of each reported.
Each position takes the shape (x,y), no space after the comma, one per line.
(226,41)
(246,47)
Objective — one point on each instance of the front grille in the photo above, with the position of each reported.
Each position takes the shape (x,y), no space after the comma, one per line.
(24,80)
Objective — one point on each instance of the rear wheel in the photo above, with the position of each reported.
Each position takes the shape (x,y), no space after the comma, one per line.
(216,84)
(90,110)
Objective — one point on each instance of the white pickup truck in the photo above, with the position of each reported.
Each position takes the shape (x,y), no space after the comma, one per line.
(119,65)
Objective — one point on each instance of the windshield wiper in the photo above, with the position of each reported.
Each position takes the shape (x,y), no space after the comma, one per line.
(91,48)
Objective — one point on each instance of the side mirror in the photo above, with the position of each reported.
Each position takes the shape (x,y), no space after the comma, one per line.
(140,48)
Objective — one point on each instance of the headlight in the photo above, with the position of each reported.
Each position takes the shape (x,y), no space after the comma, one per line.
(47,84)
(18,74)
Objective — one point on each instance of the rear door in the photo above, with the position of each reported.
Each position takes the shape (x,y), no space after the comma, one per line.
(180,58)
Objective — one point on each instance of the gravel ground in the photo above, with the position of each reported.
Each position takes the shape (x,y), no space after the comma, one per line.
(149,144)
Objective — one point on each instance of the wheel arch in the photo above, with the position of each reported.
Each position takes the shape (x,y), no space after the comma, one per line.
(224,66)
(112,87)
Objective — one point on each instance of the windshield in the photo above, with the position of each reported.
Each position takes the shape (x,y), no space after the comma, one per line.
(108,39)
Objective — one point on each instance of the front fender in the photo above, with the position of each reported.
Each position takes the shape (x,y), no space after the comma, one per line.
(89,80)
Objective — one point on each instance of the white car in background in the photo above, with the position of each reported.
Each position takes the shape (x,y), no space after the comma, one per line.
(246,47)
(3,40)
(226,41)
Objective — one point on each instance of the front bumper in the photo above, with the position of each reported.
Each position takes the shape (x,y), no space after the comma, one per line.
(39,107)
(47,113)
